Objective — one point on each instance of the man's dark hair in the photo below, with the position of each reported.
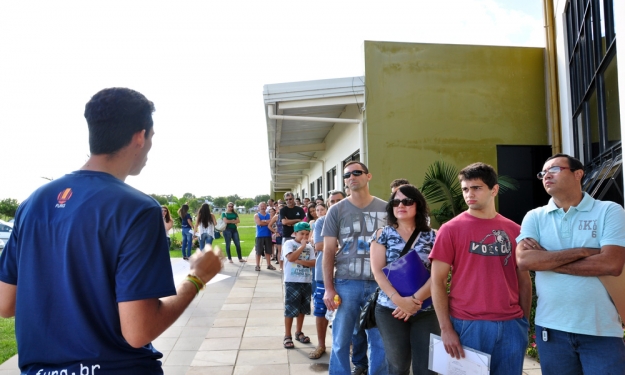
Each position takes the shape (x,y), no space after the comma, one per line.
(332,192)
(574,163)
(423,212)
(114,115)
(364,167)
(481,171)
(399,182)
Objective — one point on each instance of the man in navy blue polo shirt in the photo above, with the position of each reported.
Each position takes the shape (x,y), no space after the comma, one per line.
(89,254)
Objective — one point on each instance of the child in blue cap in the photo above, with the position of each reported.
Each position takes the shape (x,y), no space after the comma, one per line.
(299,258)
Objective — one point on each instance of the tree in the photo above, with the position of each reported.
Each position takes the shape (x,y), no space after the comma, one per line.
(249,203)
(161,199)
(261,198)
(239,202)
(441,185)
(233,198)
(220,202)
(8,207)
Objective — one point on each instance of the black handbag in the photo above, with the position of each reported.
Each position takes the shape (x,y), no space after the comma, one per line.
(367,313)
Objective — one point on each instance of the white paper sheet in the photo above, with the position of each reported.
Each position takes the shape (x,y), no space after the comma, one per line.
(474,362)
(181,269)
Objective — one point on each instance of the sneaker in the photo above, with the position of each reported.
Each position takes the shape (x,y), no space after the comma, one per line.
(359,370)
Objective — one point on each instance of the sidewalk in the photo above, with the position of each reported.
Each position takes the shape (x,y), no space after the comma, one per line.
(236,327)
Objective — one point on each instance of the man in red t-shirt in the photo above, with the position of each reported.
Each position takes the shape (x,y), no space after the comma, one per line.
(489,302)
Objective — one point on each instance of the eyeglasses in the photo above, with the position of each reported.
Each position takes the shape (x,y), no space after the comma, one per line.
(288,199)
(355,173)
(552,170)
(406,202)
(230,206)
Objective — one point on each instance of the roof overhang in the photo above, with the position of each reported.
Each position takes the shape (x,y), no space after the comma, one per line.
(309,108)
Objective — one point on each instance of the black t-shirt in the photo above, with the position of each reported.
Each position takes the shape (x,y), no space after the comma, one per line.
(290,213)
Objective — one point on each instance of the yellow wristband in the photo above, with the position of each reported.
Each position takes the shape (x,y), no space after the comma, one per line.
(197,280)
(194,283)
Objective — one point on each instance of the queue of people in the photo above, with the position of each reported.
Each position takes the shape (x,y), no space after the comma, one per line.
(571,243)
(486,307)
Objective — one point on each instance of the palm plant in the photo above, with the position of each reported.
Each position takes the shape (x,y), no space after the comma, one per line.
(441,185)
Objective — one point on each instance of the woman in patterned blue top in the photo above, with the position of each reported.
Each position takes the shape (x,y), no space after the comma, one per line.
(405,333)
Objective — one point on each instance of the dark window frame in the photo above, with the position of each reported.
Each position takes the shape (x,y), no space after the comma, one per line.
(588,60)
(330,179)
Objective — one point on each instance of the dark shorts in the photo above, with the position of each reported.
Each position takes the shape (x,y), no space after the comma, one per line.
(279,241)
(296,299)
(320,307)
(263,246)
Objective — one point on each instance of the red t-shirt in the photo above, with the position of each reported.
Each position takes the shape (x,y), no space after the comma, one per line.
(481,253)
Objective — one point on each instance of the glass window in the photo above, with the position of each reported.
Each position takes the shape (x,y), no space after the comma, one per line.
(331,179)
(612,103)
(593,118)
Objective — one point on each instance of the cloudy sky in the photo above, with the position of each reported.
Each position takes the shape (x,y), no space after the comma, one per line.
(203,64)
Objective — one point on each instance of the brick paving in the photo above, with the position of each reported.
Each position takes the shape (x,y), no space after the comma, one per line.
(235,327)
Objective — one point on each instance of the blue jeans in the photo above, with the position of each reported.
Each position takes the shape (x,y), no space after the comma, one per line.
(232,235)
(205,239)
(408,342)
(353,295)
(187,241)
(505,341)
(567,353)
(359,346)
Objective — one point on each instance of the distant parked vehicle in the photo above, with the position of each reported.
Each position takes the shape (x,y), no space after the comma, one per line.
(5,231)
(1,245)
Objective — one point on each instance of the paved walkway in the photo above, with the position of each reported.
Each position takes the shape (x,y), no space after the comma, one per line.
(236,327)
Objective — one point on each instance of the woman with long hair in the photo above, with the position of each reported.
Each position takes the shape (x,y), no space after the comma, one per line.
(187,231)
(205,225)
(169,223)
(406,334)
(274,230)
(278,223)
(311,214)
(231,232)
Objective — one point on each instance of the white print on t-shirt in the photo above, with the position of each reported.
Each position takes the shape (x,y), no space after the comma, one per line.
(499,245)
(84,370)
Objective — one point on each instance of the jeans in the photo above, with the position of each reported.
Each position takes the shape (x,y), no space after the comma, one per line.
(567,353)
(232,235)
(406,342)
(353,295)
(205,239)
(359,346)
(187,241)
(505,341)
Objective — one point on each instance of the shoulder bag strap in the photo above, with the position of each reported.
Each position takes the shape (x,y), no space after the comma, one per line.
(410,242)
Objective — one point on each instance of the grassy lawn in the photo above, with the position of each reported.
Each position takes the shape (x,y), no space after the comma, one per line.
(247,234)
(8,346)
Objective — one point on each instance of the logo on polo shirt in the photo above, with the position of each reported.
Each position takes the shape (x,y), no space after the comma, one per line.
(63,197)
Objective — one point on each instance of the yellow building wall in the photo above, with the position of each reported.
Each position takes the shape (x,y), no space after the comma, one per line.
(456,103)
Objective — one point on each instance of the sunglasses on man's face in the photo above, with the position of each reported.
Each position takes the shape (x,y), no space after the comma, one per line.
(406,202)
(288,199)
(356,173)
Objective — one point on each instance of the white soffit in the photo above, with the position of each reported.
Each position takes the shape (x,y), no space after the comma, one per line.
(299,140)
